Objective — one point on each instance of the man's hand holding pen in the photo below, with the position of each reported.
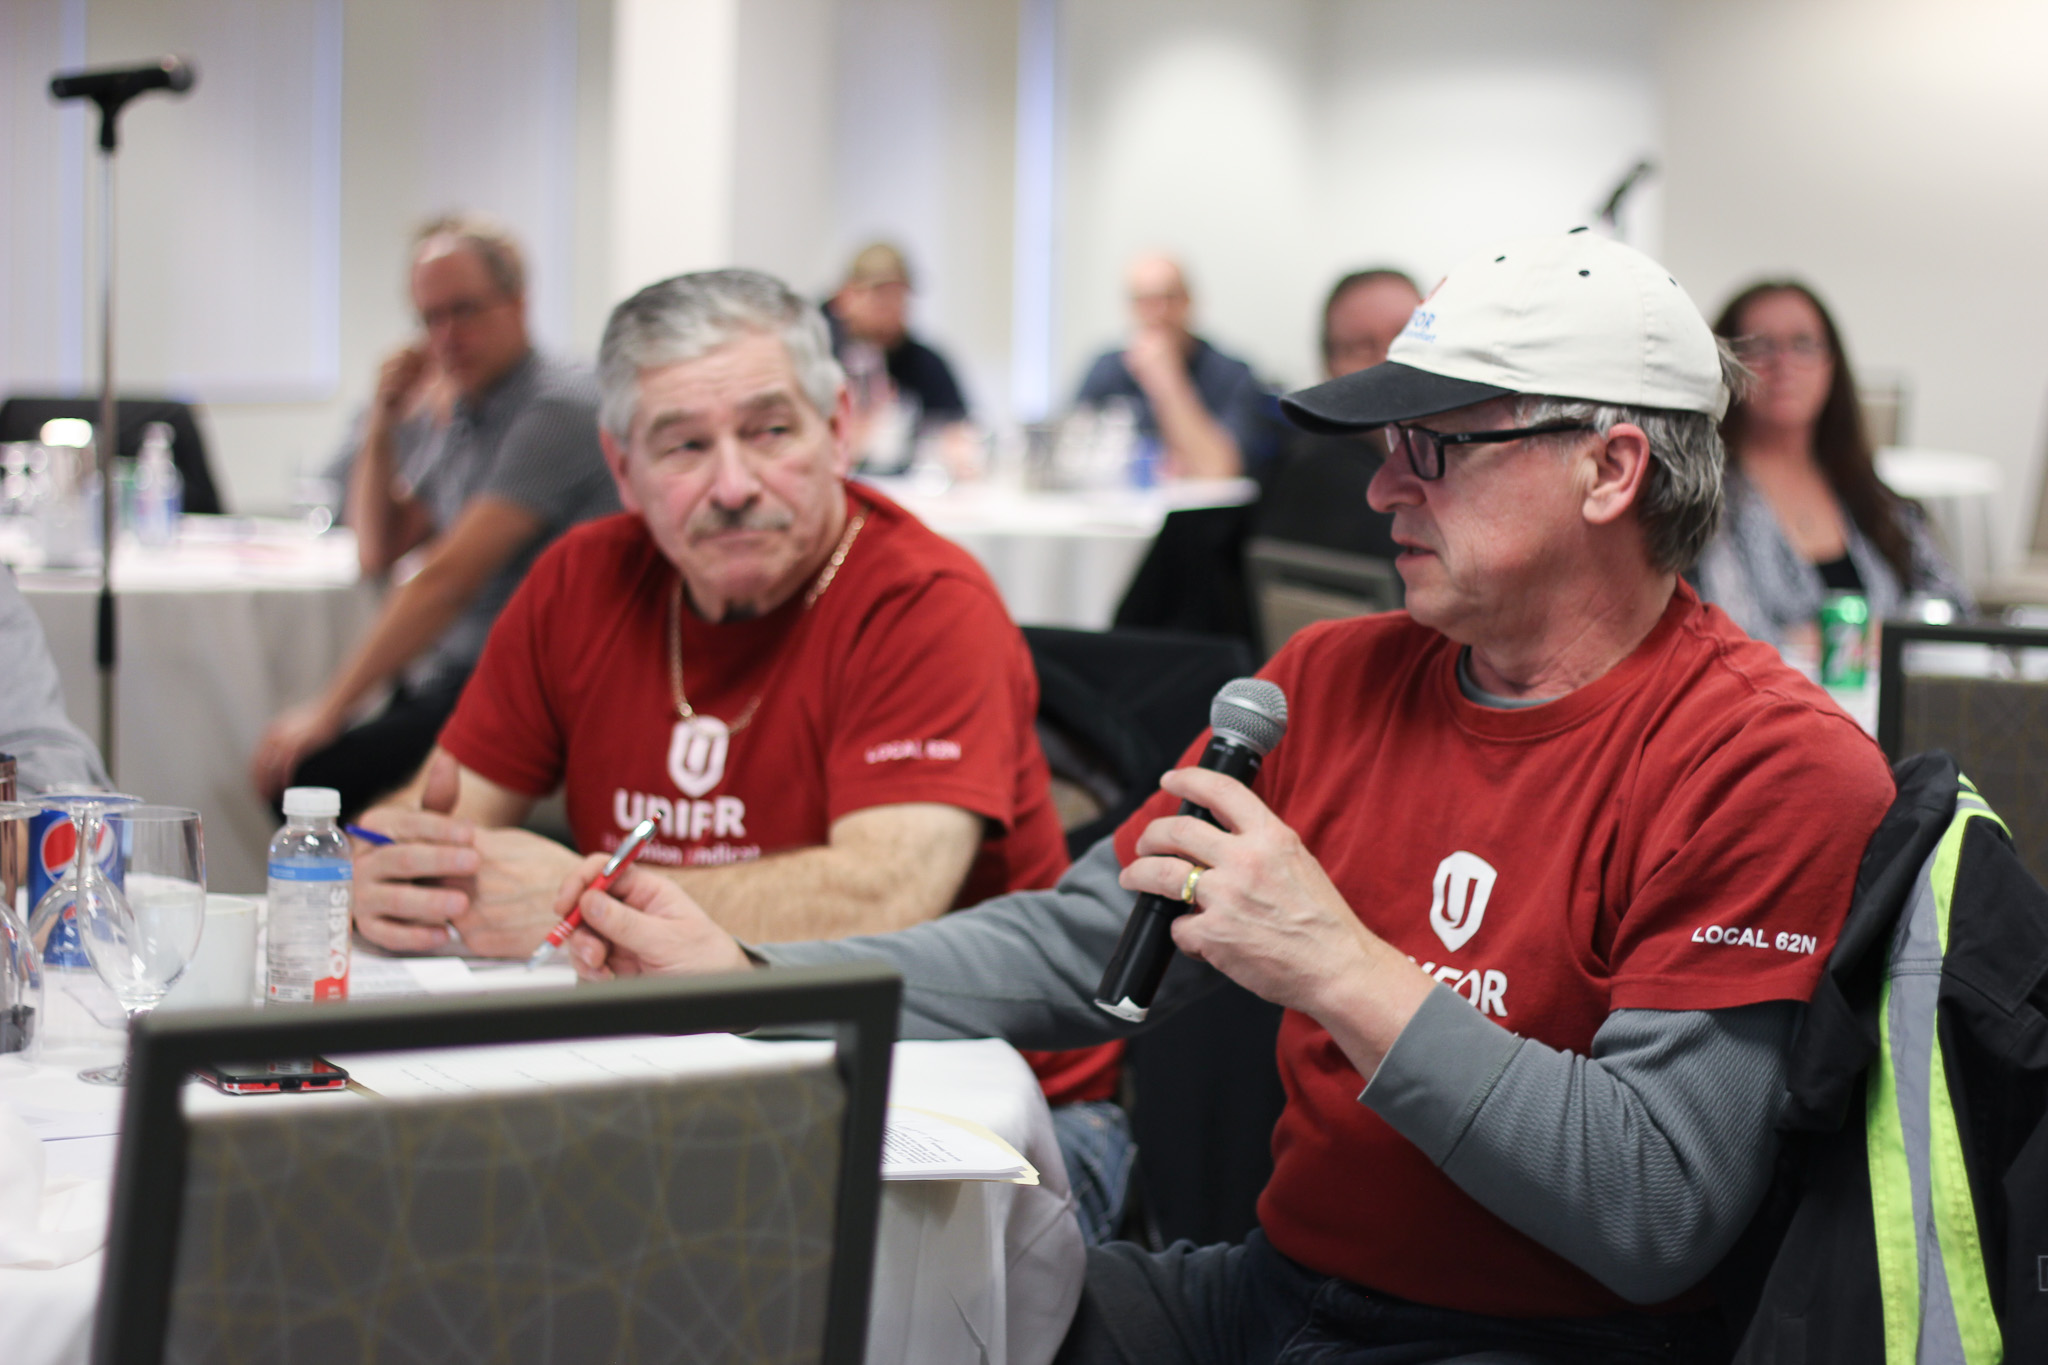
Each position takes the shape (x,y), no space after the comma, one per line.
(645,925)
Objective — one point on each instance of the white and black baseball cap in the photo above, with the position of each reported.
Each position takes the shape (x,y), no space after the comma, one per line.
(1574,315)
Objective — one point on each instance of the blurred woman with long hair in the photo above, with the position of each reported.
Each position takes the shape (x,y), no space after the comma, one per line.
(1807,514)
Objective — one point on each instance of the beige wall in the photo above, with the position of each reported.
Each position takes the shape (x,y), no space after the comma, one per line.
(828,123)
(496,105)
(1895,154)
(923,148)
(1275,146)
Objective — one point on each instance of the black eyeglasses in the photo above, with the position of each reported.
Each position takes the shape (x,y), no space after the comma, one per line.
(1425,448)
(1800,350)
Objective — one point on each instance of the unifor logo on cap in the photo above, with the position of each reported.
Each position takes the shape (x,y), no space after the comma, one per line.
(1421,325)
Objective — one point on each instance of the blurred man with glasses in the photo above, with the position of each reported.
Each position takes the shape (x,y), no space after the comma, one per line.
(1533,871)
(1315,494)
(476,451)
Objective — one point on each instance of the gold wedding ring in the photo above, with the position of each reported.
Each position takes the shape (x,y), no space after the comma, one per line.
(1187,890)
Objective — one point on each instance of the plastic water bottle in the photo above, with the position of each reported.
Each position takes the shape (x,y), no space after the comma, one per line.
(159,489)
(310,884)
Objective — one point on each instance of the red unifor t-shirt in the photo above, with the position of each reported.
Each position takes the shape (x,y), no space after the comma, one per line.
(906,681)
(1681,834)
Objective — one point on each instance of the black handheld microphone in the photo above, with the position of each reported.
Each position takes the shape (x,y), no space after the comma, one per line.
(1246,720)
(122,82)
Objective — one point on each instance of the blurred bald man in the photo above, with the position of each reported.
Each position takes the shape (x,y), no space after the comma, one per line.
(1316,495)
(1205,408)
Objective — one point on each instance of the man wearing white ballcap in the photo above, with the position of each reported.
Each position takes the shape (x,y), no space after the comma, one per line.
(1534,871)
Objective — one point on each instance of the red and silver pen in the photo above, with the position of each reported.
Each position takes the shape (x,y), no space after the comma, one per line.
(619,862)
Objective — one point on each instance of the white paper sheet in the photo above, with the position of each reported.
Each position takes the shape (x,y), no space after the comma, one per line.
(56,1125)
(522,1066)
(374,977)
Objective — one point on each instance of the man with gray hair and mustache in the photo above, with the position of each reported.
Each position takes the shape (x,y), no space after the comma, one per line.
(823,704)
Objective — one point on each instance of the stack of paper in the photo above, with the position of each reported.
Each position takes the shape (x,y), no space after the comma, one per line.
(918,1144)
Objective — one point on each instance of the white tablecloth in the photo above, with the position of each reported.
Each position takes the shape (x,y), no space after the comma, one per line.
(242,619)
(965,1271)
(1059,559)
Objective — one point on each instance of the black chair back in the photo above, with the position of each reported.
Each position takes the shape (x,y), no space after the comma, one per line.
(22,418)
(1980,692)
(1298,585)
(1116,709)
(1192,579)
(726,1216)
(1205,1084)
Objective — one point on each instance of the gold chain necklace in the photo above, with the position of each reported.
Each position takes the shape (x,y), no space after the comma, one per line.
(675,628)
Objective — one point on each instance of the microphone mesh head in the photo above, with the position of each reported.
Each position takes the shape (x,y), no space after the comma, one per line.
(1251,711)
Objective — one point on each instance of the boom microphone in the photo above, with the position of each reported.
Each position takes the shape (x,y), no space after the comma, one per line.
(122,83)
(1245,721)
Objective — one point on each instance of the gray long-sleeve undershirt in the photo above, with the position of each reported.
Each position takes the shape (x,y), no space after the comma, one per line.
(1639,1163)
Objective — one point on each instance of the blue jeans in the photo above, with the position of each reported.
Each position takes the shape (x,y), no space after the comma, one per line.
(1247,1304)
(1095,1138)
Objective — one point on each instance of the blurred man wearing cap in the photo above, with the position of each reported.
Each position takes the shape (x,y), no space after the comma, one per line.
(1205,408)
(1533,872)
(872,311)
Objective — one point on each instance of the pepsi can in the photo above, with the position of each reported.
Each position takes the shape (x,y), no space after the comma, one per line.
(53,849)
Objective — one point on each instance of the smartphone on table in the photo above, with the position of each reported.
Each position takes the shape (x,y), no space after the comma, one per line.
(269,1078)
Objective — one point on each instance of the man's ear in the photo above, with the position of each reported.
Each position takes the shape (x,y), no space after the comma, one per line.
(1620,474)
(839,426)
(615,460)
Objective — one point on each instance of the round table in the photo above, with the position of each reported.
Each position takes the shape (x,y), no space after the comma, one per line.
(217,634)
(1059,558)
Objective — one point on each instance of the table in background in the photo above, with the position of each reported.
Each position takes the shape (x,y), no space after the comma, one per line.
(241,619)
(1059,559)
(964,1270)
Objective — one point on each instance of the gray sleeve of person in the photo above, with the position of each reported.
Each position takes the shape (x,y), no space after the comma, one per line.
(51,754)
(550,462)
(415,445)
(1640,1164)
(1022,967)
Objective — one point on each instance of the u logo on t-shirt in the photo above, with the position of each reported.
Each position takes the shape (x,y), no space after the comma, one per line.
(696,754)
(1457,902)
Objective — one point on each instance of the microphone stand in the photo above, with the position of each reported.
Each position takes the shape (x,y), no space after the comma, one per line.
(107,434)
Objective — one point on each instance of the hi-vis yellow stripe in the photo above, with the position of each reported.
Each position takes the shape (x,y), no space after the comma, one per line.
(1953,1214)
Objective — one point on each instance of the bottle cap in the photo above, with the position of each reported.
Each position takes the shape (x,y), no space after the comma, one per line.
(312,801)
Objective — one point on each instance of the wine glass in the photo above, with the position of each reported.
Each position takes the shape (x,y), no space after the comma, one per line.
(21,975)
(141,930)
(87,857)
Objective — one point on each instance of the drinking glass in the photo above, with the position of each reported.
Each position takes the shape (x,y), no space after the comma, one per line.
(142,931)
(55,922)
(21,974)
